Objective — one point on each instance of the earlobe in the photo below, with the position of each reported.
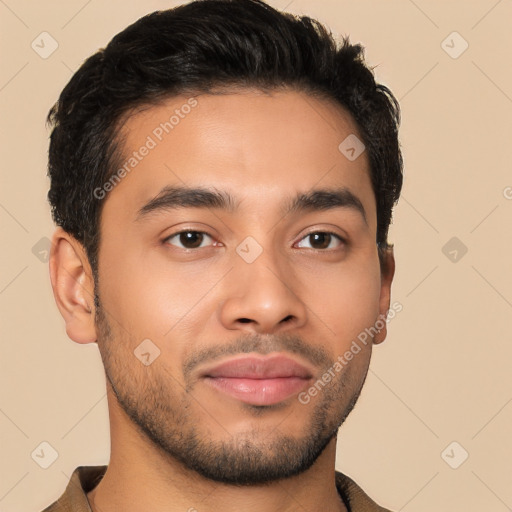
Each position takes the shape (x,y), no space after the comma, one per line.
(73,286)
(387,274)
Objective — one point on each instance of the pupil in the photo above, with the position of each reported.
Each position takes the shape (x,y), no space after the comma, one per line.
(191,239)
(321,240)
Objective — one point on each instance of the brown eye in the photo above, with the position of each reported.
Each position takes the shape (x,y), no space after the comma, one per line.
(189,239)
(321,240)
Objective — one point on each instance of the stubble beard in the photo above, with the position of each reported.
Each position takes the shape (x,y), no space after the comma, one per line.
(168,415)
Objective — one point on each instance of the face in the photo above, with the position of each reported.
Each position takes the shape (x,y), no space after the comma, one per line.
(237,265)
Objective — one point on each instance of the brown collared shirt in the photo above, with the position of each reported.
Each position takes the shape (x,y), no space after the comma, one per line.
(86,478)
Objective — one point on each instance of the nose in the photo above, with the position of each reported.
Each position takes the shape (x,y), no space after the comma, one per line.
(261,298)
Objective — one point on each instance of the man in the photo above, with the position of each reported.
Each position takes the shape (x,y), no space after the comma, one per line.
(223,177)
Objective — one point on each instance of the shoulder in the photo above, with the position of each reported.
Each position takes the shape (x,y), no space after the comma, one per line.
(354,496)
(74,499)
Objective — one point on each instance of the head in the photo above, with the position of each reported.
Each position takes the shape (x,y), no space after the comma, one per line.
(223,177)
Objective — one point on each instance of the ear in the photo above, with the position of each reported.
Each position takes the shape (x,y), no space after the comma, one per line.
(73,286)
(387,266)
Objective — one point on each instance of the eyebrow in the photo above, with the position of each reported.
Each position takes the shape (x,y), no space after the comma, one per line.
(175,197)
(326,199)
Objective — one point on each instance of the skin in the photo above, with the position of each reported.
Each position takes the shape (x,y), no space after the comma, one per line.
(262,149)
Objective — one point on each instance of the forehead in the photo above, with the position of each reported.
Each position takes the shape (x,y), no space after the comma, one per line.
(256,145)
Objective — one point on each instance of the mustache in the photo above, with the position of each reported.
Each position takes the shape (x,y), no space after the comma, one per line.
(261,344)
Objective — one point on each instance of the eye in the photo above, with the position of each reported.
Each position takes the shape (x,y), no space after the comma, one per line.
(189,239)
(322,240)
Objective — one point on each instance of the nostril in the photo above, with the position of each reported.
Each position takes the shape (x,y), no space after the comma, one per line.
(285,319)
(244,320)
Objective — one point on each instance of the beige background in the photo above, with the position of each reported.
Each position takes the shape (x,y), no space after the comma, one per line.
(443,374)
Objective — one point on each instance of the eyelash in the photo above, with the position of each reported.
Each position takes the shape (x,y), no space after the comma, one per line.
(326,232)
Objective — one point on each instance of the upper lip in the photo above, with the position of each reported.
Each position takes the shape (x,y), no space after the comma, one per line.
(258,367)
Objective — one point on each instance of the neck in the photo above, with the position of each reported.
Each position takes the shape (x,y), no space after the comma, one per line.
(141,477)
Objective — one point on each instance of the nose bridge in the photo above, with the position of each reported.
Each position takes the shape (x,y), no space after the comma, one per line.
(261,296)
(266,276)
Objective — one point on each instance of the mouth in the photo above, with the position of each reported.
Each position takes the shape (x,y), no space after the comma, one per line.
(259,380)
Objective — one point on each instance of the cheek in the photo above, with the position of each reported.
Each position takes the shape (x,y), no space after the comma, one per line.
(347,300)
(152,297)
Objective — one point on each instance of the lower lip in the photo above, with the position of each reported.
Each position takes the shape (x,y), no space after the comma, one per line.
(259,391)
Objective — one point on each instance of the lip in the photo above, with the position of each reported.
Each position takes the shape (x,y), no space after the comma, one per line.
(263,380)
